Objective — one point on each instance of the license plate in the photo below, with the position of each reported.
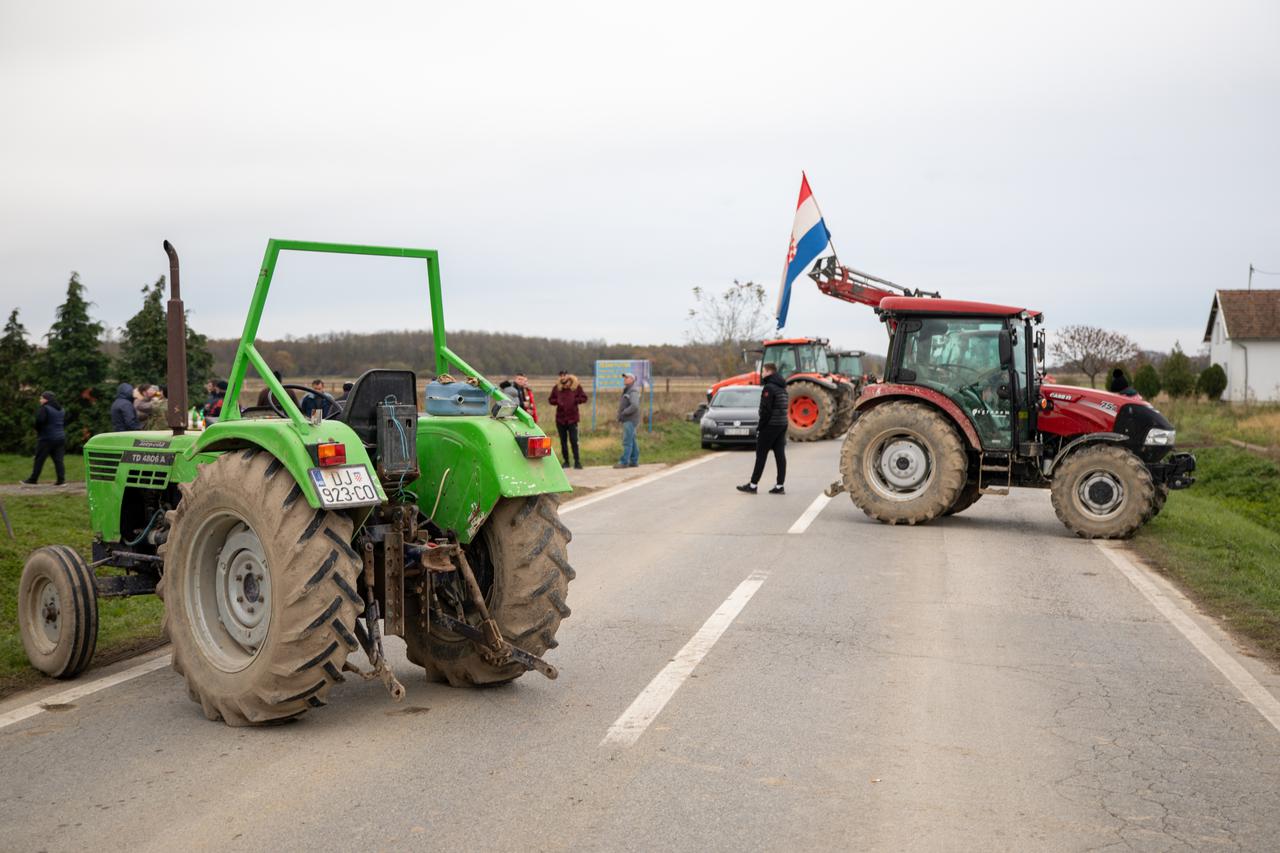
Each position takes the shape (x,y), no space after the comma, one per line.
(344,485)
(737,431)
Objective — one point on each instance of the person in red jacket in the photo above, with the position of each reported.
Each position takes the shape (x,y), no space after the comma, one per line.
(567,395)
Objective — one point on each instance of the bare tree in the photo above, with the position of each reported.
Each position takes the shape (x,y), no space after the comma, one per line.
(726,321)
(1090,350)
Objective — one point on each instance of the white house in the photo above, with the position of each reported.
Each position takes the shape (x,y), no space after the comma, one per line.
(1244,337)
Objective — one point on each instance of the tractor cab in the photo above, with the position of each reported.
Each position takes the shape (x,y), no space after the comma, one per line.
(981,357)
(795,356)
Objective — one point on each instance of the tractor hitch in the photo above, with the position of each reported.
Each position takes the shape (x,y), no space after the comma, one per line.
(497,650)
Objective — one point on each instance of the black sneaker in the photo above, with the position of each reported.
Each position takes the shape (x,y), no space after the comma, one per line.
(577,466)
(778,490)
(26,482)
(749,488)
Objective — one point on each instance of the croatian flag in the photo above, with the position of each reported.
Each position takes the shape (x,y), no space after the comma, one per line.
(809,239)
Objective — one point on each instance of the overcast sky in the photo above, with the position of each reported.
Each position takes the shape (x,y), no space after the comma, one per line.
(581,166)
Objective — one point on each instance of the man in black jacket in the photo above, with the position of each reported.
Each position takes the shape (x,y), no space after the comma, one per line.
(123,415)
(771,434)
(51,440)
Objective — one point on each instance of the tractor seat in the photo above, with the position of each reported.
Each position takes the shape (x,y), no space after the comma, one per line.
(360,409)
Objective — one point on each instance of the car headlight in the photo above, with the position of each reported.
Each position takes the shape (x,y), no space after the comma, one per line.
(708,423)
(1160,437)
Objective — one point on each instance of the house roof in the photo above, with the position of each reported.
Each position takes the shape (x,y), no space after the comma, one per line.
(1247,314)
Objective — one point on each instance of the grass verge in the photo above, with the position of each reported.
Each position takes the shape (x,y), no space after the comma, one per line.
(1220,540)
(124,624)
(14,467)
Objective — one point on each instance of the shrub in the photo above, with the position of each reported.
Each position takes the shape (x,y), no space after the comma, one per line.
(1176,375)
(1147,381)
(1212,382)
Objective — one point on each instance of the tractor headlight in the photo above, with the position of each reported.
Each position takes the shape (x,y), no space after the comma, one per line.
(1160,437)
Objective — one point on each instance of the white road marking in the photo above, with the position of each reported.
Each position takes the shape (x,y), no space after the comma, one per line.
(612,491)
(1253,691)
(82,690)
(627,729)
(806,518)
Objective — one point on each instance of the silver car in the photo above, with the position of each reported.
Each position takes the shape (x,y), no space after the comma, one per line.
(732,417)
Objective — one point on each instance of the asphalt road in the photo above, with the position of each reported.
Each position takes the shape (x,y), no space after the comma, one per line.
(984,683)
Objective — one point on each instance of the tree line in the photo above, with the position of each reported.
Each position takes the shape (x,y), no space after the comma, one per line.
(82,362)
(1093,351)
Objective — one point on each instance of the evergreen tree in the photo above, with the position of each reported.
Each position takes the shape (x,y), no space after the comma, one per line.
(1176,375)
(75,367)
(1212,382)
(1147,381)
(18,399)
(144,348)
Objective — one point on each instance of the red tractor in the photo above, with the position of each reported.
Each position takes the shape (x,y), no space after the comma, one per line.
(821,400)
(963,412)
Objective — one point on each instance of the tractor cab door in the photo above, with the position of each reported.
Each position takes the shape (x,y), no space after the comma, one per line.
(784,357)
(960,357)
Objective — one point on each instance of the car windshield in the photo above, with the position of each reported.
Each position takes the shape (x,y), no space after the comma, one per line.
(737,398)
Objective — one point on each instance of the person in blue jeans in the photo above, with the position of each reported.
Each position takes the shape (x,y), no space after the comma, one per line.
(629,417)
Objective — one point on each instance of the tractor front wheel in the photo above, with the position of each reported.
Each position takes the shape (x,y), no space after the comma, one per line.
(810,411)
(1103,492)
(259,592)
(58,611)
(903,463)
(520,561)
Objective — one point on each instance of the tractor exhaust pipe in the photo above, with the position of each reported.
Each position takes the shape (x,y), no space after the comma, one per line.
(176,416)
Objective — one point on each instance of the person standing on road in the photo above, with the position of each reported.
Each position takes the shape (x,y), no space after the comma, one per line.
(771,434)
(123,416)
(566,396)
(526,396)
(629,417)
(51,440)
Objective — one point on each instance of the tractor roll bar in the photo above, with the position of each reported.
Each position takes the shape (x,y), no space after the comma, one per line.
(176,414)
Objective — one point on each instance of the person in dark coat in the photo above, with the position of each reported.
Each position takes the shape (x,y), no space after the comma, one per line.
(317,399)
(1120,384)
(567,395)
(123,416)
(51,440)
(771,434)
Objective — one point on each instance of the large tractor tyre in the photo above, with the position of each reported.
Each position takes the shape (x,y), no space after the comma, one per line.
(259,591)
(844,419)
(903,463)
(520,560)
(810,411)
(968,497)
(58,611)
(1157,504)
(1103,491)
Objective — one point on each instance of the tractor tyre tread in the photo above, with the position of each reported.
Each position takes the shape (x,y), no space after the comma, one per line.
(1140,492)
(527,544)
(78,602)
(314,606)
(949,459)
(969,496)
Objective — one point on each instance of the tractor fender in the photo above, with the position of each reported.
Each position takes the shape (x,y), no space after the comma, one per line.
(1071,446)
(875,395)
(286,442)
(469,463)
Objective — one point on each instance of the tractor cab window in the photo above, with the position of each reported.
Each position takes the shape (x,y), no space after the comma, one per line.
(785,358)
(961,359)
(813,359)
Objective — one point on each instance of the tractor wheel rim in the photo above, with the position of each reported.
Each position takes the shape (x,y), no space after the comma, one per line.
(228,591)
(43,614)
(901,467)
(1100,493)
(804,412)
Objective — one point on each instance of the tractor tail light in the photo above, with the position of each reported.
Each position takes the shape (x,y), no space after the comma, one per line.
(534,446)
(332,453)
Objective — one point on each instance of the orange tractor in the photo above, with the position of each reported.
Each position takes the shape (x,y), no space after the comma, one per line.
(821,399)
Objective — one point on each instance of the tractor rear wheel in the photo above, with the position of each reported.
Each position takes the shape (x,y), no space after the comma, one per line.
(520,560)
(969,496)
(810,411)
(259,591)
(58,611)
(903,463)
(1103,491)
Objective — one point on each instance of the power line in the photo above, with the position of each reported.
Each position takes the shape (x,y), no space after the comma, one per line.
(1253,269)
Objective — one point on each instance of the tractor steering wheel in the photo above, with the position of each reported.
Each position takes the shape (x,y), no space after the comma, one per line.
(964,367)
(279,410)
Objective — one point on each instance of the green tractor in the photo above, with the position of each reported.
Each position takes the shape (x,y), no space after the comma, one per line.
(281,543)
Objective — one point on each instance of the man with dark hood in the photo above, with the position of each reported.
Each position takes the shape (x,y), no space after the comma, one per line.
(1120,384)
(51,440)
(123,416)
(771,434)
